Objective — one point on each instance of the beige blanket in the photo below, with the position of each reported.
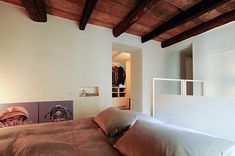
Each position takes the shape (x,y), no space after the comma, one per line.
(80,137)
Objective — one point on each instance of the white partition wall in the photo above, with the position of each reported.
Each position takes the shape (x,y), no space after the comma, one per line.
(212,115)
(176,87)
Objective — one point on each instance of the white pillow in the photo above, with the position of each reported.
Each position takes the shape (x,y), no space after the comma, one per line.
(155,139)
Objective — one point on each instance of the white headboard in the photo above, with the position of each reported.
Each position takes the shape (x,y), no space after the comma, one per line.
(212,115)
(181,88)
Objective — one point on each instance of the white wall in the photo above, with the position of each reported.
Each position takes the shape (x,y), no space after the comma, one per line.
(153,65)
(213,115)
(213,61)
(136,81)
(128,79)
(213,54)
(50,61)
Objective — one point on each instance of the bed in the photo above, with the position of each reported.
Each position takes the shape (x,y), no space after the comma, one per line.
(111,133)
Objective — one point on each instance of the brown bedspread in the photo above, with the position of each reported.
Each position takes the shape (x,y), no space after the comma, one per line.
(81,137)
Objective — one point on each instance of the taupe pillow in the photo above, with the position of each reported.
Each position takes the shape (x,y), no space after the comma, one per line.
(113,121)
(155,139)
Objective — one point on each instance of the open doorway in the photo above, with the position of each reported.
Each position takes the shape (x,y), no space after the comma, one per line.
(121,85)
(134,97)
(186,68)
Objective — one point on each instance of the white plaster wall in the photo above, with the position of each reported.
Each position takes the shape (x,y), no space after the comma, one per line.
(213,61)
(128,79)
(172,58)
(213,115)
(136,81)
(153,65)
(213,54)
(50,61)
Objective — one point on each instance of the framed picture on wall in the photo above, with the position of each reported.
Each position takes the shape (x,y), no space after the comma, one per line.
(14,114)
(55,111)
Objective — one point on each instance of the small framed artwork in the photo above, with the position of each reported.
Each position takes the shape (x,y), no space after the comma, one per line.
(88,91)
(13,114)
(55,111)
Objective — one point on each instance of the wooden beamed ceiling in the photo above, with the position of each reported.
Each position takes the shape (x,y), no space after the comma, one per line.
(132,17)
(183,17)
(167,21)
(216,22)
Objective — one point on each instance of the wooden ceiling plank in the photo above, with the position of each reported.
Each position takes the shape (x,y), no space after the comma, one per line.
(69,6)
(62,13)
(88,9)
(216,22)
(133,16)
(183,17)
(183,4)
(36,9)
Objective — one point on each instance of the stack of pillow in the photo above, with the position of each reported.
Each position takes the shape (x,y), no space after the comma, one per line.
(141,135)
(116,122)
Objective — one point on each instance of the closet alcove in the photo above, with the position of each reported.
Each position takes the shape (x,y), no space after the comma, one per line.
(121,80)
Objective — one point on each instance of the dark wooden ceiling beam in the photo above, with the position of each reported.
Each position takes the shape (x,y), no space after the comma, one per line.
(133,16)
(183,17)
(36,9)
(216,22)
(87,11)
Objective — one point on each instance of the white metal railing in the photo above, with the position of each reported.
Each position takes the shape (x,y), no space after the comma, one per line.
(183,88)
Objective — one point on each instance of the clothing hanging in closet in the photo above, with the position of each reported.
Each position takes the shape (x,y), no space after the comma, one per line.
(118,76)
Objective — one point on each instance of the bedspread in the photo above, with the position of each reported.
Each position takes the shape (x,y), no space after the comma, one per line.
(81,137)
